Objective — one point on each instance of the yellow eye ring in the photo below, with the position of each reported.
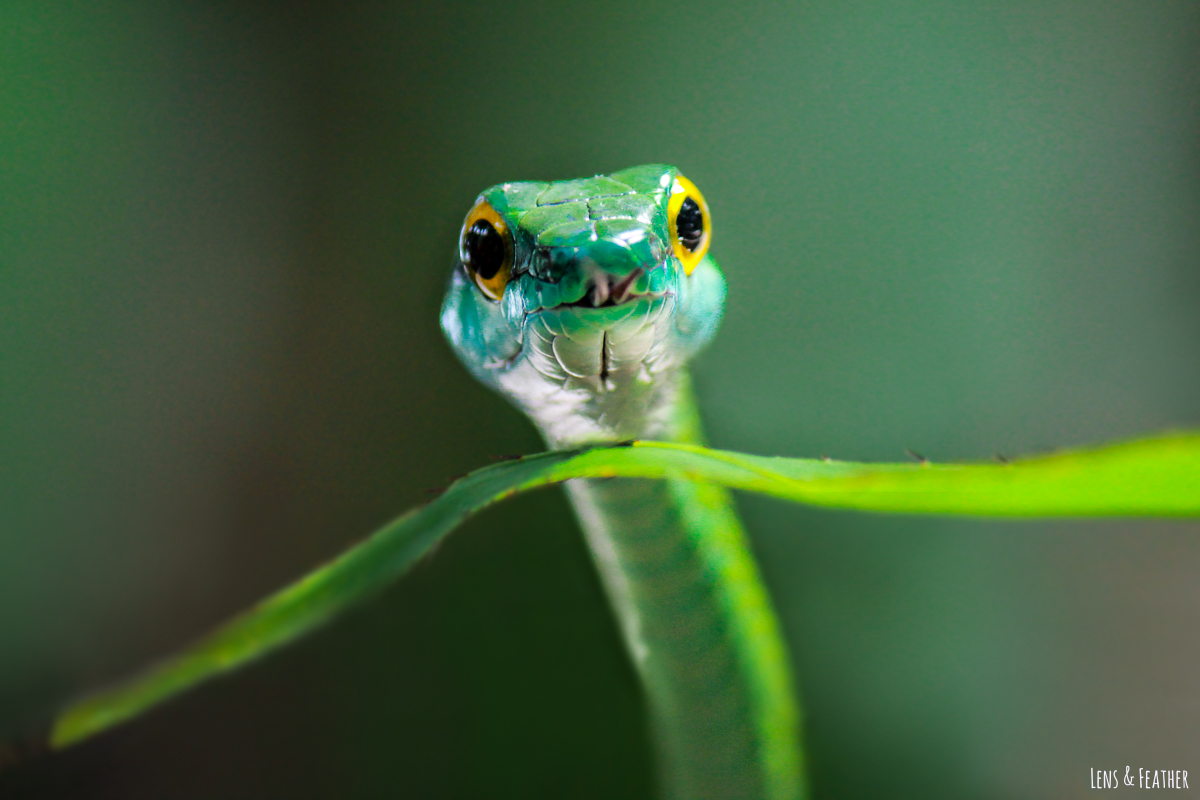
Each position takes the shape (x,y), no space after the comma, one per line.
(690,223)
(486,250)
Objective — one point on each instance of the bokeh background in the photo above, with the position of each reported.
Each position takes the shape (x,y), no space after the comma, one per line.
(960,228)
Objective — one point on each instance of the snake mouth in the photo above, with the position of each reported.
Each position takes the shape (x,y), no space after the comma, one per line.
(603,291)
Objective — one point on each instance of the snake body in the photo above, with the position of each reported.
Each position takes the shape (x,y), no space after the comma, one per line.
(581,302)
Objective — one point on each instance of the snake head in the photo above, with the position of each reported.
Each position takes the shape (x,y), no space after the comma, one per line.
(581,300)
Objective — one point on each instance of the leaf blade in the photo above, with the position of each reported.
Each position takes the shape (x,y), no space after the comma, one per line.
(1159,476)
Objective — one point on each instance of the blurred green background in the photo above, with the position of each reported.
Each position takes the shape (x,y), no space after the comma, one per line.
(224,232)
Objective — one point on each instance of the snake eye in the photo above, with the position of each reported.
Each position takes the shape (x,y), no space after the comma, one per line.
(691,228)
(486,249)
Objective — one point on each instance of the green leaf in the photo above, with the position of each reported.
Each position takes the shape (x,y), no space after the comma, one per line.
(1150,477)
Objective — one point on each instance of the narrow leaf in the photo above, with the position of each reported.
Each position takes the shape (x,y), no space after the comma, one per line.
(1150,477)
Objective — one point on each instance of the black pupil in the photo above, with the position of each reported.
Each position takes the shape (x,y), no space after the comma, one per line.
(484,249)
(690,224)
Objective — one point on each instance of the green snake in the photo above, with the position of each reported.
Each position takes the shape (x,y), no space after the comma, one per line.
(581,302)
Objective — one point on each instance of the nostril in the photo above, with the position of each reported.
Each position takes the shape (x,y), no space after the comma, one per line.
(550,264)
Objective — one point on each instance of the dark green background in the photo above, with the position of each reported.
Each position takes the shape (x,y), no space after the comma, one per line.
(960,228)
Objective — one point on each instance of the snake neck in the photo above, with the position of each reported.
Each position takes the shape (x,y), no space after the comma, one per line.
(699,628)
(578,412)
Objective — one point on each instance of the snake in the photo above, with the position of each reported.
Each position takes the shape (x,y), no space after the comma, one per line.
(582,302)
